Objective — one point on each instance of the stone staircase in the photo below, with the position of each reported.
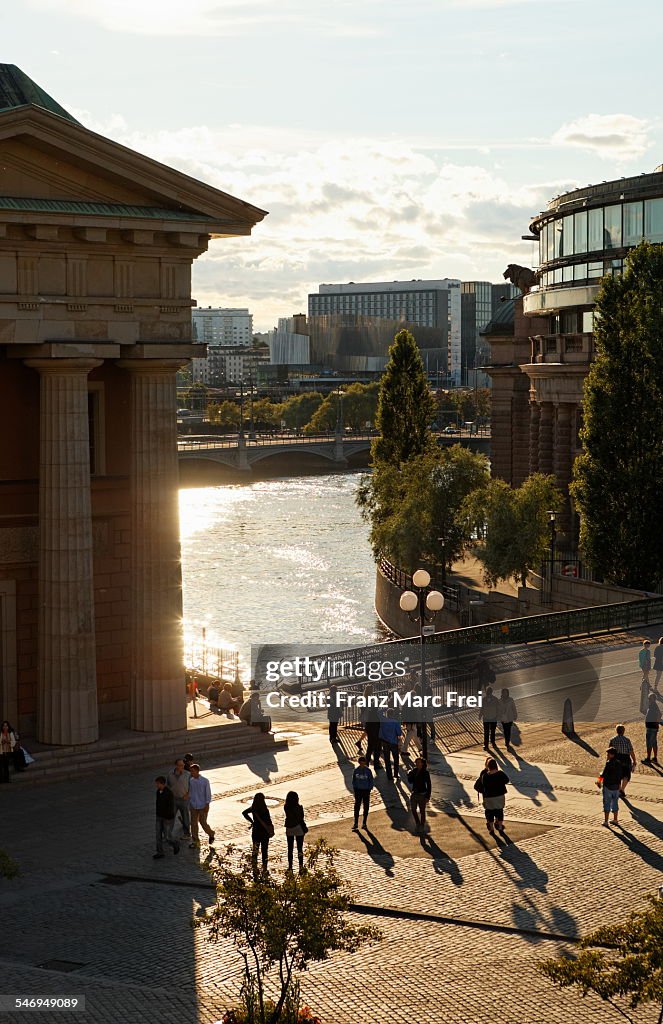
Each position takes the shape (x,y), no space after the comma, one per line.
(227,743)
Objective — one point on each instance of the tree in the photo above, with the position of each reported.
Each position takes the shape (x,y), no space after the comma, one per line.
(224,414)
(406,407)
(266,413)
(633,967)
(426,519)
(280,925)
(298,410)
(513,526)
(617,478)
(354,408)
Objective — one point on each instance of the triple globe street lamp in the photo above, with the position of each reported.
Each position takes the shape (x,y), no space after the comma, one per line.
(422,605)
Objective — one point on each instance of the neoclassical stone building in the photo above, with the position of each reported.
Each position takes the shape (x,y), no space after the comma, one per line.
(542,346)
(96,247)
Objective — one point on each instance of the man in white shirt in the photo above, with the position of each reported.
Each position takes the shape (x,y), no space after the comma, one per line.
(200,797)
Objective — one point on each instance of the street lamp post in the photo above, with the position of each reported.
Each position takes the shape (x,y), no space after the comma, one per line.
(422,604)
(552,517)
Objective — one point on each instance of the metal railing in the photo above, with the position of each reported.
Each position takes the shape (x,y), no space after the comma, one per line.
(402,579)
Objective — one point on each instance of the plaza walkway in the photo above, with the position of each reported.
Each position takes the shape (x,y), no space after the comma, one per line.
(465,919)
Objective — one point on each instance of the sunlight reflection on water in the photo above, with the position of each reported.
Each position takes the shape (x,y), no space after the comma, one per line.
(278,561)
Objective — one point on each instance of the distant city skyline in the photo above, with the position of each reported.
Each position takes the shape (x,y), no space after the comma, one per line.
(386,141)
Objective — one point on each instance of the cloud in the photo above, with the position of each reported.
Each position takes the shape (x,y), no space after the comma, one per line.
(342,210)
(220,18)
(612,136)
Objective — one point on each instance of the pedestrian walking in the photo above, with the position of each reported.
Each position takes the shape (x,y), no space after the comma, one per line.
(507,714)
(644,660)
(488,713)
(411,735)
(200,797)
(295,829)
(178,782)
(262,830)
(7,749)
(390,738)
(419,779)
(491,785)
(370,720)
(362,784)
(610,781)
(652,723)
(623,747)
(658,662)
(333,713)
(165,807)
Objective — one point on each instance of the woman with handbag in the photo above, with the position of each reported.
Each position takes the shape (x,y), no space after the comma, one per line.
(491,785)
(262,830)
(295,829)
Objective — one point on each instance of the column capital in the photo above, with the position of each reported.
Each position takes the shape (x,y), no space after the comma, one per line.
(66,365)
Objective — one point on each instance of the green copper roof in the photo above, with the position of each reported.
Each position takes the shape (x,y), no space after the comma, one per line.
(99,209)
(503,321)
(17,90)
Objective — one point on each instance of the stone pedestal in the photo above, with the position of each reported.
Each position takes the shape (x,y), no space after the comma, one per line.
(157,698)
(67,690)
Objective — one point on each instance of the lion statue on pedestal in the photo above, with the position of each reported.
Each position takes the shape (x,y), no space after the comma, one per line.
(521,277)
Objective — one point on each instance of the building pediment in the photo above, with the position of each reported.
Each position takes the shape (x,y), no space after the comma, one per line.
(47,157)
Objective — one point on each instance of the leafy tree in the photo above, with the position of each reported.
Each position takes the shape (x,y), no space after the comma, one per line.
(513,525)
(406,407)
(298,410)
(358,406)
(617,478)
(266,413)
(426,520)
(633,967)
(224,414)
(281,924)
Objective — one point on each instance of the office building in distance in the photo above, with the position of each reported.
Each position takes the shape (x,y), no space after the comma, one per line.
(427,304)
(218,326)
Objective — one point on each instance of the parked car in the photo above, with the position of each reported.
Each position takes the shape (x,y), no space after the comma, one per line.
(451,430)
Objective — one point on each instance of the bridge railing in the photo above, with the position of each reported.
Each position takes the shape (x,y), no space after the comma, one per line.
(402,579)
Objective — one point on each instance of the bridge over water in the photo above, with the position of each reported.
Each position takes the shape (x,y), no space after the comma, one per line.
(242,452)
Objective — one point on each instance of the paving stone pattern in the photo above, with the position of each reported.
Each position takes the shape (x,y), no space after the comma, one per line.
(141,961)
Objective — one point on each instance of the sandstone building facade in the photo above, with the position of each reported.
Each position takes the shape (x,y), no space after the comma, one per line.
(96,248)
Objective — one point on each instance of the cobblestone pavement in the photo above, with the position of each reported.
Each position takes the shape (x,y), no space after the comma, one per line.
(90,893)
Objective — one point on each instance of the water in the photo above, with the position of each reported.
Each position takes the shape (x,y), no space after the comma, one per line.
(278,561)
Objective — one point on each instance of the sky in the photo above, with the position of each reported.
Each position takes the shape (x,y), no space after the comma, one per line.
(387,139)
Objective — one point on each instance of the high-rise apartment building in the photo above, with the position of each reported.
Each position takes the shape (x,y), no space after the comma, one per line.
(216,326)
(434,304)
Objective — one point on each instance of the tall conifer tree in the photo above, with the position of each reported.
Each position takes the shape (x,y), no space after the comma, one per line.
(618,479)
(405,407)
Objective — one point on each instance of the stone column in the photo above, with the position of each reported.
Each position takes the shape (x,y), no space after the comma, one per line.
(67,691)
(157,699)
(546,438)
(563,461)
(534,421)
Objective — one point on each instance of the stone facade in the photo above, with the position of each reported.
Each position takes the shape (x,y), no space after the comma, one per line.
(96,247)
(537,384)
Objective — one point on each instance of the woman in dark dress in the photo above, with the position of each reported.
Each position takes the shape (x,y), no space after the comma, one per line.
(295,829)
(262,829)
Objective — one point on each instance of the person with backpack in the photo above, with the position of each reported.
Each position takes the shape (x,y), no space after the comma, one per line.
(491,785)
(362,784)
(262,830)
